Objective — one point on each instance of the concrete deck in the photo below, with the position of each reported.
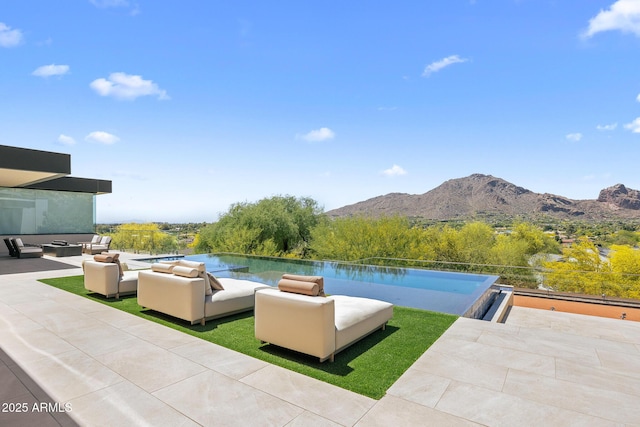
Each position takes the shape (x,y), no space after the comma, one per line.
(112,368)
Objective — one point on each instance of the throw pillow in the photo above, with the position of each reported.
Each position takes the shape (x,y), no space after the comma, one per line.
(215,283)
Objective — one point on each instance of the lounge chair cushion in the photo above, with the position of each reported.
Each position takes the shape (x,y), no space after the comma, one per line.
(103,258)
(319,280)
(162,267)
(298,287)
(185,269)
(181,271)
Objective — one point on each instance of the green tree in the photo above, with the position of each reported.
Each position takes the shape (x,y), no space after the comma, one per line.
(355,238)
(143,238)
(581,270)
(280,225)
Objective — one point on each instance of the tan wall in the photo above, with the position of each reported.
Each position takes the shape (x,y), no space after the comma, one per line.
(602,310)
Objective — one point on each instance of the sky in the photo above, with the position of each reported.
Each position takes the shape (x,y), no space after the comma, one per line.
(189,107)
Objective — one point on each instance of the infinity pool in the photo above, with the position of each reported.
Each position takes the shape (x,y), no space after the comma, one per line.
(454,293)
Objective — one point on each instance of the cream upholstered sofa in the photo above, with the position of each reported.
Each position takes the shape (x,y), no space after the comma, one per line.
(104,275)
(300,318)
(185,290)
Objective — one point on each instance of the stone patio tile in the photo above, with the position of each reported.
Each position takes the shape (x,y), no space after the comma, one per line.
(465,370)
(499,356)
(393,411)
(97,338)
(614,406)
(228,362)
(150,367)
(124,404)
(491,408)
(215,399)
(615,380)
(556,345)
(69,375)
(621,363)
(308,419)
(343,407)
(33,344)
(419,387)
(159,335)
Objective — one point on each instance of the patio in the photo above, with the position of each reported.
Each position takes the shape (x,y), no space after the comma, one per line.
(540,368)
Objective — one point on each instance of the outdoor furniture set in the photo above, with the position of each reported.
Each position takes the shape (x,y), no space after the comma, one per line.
(296,315)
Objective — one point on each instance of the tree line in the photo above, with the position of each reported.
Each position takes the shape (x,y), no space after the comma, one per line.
(523,254)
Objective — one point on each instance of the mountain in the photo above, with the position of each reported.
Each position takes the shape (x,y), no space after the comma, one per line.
(487,196)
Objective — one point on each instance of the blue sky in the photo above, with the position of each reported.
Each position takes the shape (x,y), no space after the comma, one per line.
(191,106)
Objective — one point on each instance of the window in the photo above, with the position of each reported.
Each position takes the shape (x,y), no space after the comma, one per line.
(25,211)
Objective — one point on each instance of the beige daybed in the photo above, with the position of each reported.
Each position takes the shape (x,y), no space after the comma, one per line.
(299,317)
(184,289)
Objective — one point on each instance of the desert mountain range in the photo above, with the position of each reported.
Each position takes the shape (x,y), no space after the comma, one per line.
(486,196)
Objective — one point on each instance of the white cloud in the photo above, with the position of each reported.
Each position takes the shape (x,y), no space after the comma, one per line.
(575,137)
(439,65)
(316,135)
(9,37)
(638,98)
(394,170)
(51,70)
(66,140)
(612,126)
(127,86)
(623,15)
(634,126)
(101,138)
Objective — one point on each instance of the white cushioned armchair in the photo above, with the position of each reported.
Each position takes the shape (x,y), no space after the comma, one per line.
(104,278)
(316,325)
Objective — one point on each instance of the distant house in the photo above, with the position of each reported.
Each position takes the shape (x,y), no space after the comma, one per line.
(40,201)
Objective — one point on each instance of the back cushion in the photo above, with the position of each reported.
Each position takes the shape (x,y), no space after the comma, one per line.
(185,271)
(319,280)
(298,287)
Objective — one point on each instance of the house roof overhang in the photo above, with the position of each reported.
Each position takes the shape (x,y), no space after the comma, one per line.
(46,170)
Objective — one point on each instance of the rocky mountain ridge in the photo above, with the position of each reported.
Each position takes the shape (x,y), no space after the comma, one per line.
(484,196)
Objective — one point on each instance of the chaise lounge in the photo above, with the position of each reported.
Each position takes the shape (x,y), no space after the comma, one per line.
(185,290)
(299,317)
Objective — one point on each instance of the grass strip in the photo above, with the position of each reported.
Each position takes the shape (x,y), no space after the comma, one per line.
(368,367)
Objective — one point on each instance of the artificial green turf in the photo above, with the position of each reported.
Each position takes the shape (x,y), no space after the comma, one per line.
(369,367)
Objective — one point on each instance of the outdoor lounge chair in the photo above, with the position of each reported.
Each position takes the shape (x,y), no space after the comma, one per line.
(12,249)
(94,240)
(184,290)
(104,276)
(299,317)
(98,248)
(24,251)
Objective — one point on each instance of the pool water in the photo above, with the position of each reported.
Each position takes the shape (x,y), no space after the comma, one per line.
(446,292)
